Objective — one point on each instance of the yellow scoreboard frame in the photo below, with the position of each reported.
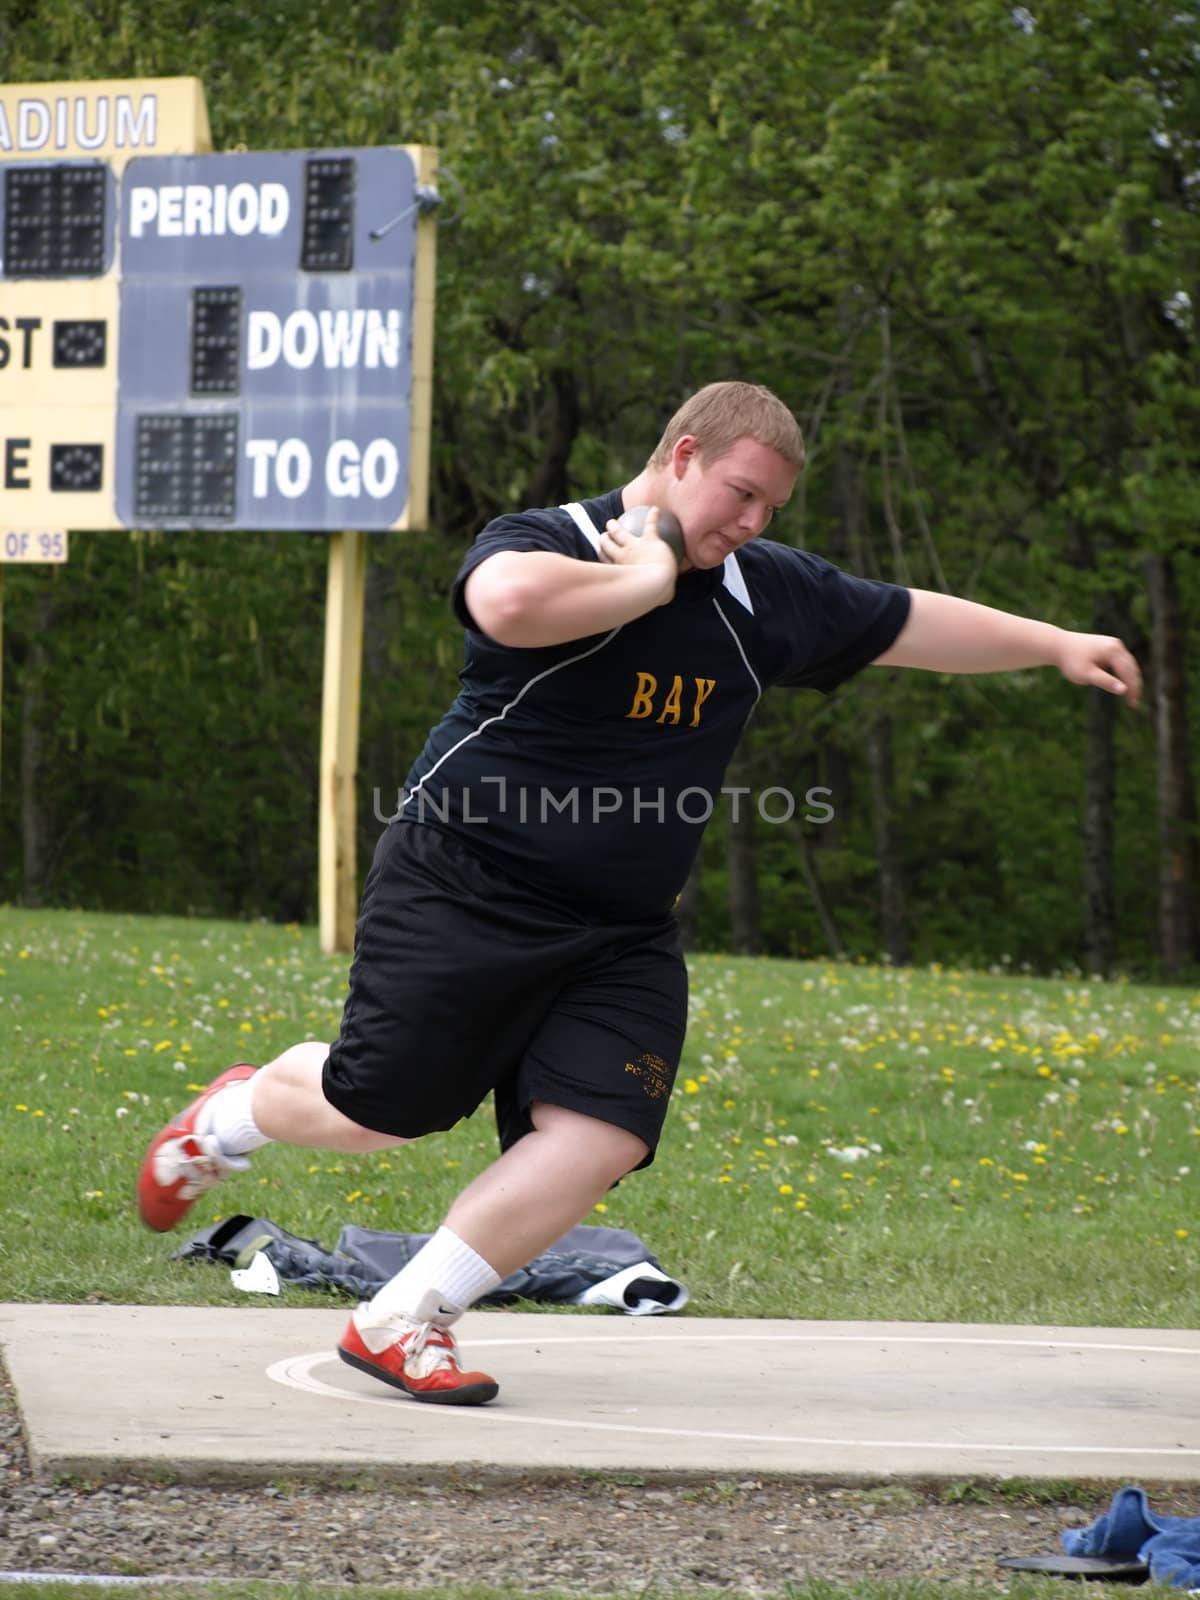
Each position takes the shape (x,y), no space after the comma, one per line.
(110,119)
(48,405)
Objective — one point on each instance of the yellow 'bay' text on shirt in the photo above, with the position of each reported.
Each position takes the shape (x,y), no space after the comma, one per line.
(672,705)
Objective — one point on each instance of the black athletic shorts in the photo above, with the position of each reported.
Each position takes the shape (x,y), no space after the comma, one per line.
(465,980)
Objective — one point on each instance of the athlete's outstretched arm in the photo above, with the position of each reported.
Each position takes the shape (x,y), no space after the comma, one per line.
(946,634)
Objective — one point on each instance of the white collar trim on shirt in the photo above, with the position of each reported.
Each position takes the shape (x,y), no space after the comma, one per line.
(736,583)
(733,579)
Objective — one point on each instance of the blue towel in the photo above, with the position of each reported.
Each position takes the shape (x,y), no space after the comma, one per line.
(1170,1546)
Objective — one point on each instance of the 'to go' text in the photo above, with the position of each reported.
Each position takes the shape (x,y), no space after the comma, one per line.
(286,465)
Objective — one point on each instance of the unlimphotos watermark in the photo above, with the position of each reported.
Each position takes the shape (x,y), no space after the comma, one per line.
(544,804)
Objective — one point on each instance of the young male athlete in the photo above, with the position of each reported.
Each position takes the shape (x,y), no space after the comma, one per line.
(516,930)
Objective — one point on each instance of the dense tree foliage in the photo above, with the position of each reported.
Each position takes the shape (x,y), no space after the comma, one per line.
(962,241)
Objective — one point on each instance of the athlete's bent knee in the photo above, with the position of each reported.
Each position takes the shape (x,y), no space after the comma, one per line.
(609,1150)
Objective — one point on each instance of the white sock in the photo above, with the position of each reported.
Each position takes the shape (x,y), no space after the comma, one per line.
(228,1116)
(438,1284)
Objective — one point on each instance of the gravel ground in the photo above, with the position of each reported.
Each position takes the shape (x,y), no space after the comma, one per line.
(590,1534)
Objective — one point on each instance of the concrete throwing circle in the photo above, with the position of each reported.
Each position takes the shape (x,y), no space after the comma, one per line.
(954,1407)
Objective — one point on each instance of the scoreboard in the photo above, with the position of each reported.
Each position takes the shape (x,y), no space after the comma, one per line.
(190,340)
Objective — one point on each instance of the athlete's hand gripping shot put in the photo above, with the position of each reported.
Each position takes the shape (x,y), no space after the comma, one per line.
(516,932)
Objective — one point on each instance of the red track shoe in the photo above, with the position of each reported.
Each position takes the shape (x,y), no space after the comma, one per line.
(423,1361)
(181,1165)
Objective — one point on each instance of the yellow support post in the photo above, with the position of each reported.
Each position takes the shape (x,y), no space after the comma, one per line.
(338,878)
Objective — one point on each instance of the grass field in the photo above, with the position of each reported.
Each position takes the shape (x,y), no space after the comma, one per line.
(845,1141)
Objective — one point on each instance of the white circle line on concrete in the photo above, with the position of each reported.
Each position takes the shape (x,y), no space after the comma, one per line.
(296,1372)
(877,1339)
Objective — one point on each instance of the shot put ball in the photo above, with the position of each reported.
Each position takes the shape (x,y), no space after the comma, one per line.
(670,528)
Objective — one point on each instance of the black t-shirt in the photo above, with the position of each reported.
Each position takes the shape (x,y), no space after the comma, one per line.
(588,769)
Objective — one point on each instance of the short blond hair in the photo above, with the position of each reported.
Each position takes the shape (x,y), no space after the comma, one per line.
(720,414)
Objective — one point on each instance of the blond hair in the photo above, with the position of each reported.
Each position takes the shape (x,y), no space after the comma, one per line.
(720,414)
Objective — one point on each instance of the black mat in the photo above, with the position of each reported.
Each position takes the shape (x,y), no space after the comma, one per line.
(1111,1569)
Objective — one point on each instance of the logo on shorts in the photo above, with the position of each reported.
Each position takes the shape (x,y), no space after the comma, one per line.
(652,1071)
